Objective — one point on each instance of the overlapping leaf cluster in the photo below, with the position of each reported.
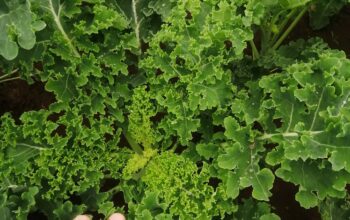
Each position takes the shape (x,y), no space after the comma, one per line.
(66,152)
(51,161)
(309,99)
(174,107)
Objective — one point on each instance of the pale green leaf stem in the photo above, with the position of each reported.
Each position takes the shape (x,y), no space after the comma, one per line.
(317,110)
(283,24)
(290,28)
(288,134)
(136,21)
(9,79)
(254,49)
(9,74)
(133,144)
(56,17)
(32,146)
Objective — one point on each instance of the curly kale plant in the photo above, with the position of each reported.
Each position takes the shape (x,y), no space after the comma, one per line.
(172,109)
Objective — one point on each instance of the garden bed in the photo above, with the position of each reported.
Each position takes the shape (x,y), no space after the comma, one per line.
(139,130)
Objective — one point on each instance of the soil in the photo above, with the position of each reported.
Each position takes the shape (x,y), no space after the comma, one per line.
(18,97)
(336,34)
(284,203)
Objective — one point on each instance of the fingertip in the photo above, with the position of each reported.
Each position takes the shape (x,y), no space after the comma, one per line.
(82,217)
(116,216)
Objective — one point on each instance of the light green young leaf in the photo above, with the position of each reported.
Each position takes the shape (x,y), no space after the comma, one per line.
(181,188)
(141,110)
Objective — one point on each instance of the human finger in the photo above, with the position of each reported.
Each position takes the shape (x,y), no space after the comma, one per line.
(82,217)
(116,216)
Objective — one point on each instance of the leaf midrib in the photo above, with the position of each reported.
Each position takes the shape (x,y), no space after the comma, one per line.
(56,18)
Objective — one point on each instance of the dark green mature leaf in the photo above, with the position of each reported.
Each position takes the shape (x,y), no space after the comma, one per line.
(86,44)
(64,87)
(55,10)
(104,18)
(323,10)
(18,205)
(18,27)
(293,3)
(255,210)
(74,159)
(97,201)
(68,211)
(187,73)
(246,172)
(316,181)
(336,209)
(313,105)
(311,100)
(174,75)
(145,16)
(4,211)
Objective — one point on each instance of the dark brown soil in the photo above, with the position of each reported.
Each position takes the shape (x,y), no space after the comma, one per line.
(336,34)
(17,97)
(285,206)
